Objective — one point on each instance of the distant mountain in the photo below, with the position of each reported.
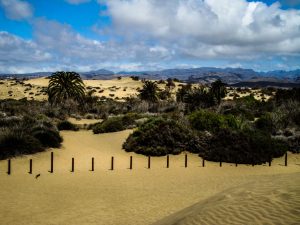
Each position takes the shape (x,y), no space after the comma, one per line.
(202,74)
(262,84)
(98,74)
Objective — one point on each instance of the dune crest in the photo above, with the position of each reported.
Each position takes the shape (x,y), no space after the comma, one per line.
(272,200)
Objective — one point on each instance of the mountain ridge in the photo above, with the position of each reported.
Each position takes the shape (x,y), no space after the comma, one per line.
(200,74)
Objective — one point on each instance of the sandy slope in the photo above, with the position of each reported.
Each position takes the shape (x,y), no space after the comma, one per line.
(114,88)
(123,196)
(272,199)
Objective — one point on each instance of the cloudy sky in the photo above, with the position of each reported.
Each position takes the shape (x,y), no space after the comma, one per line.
(126,35)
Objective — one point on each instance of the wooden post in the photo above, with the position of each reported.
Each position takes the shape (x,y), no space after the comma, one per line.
(51,166)
(93,164)
(30,166)
(8,167)
(185,161)
(270,161)
(203,162)
(168,161)
(130,163)
(220,161)
(112,163)
(149,162)
(73,166)
(286,159)
(236,164)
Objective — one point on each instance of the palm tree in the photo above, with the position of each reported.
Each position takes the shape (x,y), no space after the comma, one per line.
(149,91)
(65,85)
(218,89)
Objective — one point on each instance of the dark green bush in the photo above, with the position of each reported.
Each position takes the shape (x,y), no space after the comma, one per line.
(14,143)
(205,120)
(158,137)
(66,125)
(265,124)
(243,147)
(115,124)
(48,137)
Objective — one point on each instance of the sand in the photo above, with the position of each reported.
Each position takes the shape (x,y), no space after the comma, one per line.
(141,195)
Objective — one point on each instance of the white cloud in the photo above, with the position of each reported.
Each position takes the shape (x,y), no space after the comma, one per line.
(16,9)
(155,34)
(208,28)
(76,2)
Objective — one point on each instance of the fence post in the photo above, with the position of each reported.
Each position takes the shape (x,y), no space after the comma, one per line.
(73,166)
(92,164)
(8,167)
(203,162)
(168,161)
(220,161)
(149,162)
(270,161)
(286,159)
(185,161)
(30,166)
(112,163)
(130,163)
(51,166)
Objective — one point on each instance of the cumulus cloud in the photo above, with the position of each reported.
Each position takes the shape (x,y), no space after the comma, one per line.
(155,34)
(16,9)
(76,2)
(208,28)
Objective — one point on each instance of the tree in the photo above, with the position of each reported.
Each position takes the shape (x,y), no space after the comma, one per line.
(182,92)
(199,98)
(149,91)
(65,86)
(218,90)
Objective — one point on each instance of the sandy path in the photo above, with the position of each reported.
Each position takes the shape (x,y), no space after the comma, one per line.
(122,196)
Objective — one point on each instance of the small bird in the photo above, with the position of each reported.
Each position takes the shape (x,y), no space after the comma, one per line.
(37,176)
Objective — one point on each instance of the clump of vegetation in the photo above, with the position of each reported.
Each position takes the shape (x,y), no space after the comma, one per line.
(47,136)
(66,125)
(14,142)
(115,124)
(159,137)
(27,135)
(245,147)
(206,120)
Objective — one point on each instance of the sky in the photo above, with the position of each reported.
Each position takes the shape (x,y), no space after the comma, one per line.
(139,35)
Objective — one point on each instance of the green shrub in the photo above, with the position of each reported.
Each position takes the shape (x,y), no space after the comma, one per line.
(48,137)
(243,147)
(14,143)
(115,124)
(158,137)
(66,125)
(205,120)
(265,123)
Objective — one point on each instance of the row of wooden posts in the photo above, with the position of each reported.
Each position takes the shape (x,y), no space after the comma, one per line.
(130,163)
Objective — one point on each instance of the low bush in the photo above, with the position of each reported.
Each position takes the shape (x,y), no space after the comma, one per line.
(247,147)
(265,124)
(205,120)
(48,137)
(14,143)
(159,137)
(115,124)
(66,125)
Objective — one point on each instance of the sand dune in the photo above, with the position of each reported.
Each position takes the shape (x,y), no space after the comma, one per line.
(123,196)
(269,200)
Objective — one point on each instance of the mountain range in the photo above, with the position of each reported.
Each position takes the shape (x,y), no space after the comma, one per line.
(202,74)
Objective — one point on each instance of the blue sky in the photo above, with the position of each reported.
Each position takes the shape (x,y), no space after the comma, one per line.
(82,35)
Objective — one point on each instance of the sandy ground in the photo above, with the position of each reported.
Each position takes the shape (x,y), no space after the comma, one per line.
(142,196)
(115,88)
